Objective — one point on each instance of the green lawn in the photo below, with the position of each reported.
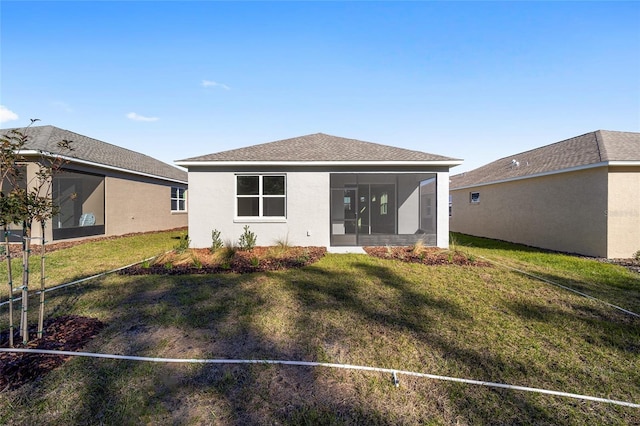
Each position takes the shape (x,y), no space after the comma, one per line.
(487,323)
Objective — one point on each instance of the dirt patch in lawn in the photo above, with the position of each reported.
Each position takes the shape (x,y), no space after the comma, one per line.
(203,261)
(425,255)
(67,333)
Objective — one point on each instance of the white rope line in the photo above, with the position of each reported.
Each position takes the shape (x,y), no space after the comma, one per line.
(626,311)
(322,364)
(16,299)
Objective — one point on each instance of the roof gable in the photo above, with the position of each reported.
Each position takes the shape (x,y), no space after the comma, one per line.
(319,147)
(589,149)
(46,138)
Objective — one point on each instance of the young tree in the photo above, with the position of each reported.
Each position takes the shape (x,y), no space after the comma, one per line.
(26,203)
(10,145)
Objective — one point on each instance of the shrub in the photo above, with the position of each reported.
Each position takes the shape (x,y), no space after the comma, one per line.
(183,244)
(636,255)
(216,241)
(419,247)
(196,262)
(283,243)
(247,240)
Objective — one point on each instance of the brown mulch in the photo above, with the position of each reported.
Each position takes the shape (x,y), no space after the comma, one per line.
(258,259)
(67,333)
(425,256)
(631,264)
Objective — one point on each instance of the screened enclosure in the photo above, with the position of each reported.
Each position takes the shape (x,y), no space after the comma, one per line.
(381,209)
(80,197)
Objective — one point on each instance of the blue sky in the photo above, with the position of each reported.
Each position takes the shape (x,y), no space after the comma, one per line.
(470,80)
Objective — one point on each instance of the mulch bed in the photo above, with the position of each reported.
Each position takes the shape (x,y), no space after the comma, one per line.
(257,259)
(631,264)
(67,333)
(425,256)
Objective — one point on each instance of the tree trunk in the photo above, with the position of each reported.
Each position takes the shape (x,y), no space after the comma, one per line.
(10,278)
(26,249)
(42,256)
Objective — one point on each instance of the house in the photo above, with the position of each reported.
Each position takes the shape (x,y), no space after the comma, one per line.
(320,190)
(103,189)
(580,195)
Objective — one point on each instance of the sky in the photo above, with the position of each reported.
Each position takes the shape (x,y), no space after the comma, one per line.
(471,80)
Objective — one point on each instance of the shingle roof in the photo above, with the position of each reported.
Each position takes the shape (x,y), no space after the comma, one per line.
(592,148)
(45,138)
(319,147)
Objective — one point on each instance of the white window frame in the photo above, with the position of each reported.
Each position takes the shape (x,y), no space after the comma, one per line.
(261,197)
(177,199)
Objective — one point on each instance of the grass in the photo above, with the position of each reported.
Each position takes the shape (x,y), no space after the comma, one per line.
(487,323)
(608,282)
(91,258)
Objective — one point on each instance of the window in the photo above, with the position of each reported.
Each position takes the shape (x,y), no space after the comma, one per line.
(384,203)
(260,196)
(178,199)
(474,197)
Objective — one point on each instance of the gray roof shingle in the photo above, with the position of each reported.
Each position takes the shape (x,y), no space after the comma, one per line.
(45,138)
(319,147)
(588,149)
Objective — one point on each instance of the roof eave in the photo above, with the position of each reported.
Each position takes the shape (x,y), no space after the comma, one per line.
(633,163)
(98,165)
(205,163)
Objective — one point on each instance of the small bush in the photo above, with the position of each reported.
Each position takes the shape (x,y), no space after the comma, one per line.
(636,255)
(303,258)
(228,251)
(216,241)
(183,244)
(283,243)
(419,247)
(255,262)
(247,240)
(197,263)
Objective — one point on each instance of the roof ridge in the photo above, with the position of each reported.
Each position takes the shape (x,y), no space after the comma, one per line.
(600,144)
(319,147)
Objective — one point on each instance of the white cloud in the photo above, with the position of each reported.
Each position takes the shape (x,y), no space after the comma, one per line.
(137,117)
(209,83)
(7,115)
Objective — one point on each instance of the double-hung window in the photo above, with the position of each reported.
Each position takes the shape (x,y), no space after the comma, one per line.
(178,199)
(261,196)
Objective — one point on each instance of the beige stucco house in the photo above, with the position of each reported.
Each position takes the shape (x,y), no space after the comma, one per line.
(320,190)
(580,195)
(103,189)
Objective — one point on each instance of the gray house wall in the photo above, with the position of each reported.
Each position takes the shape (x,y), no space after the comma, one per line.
(212,204)
(565,211)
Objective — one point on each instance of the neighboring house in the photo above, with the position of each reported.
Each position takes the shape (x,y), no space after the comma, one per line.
(580,195)
(320,190)
(105,190)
